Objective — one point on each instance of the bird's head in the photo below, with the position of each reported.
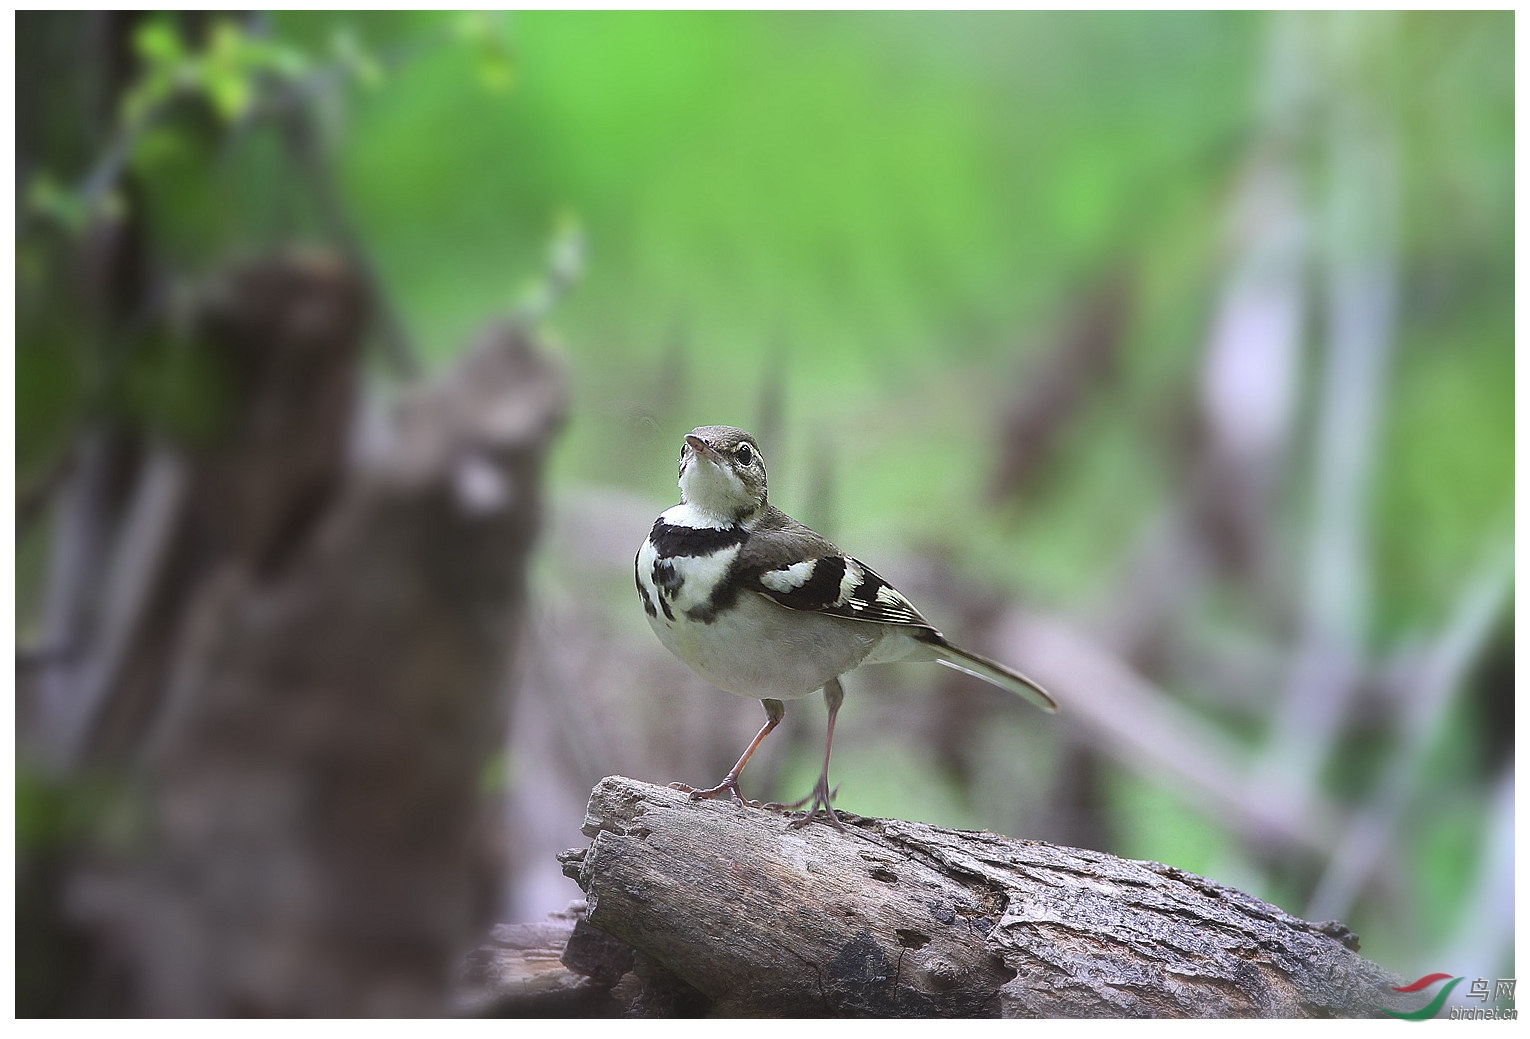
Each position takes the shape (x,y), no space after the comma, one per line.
(722,473)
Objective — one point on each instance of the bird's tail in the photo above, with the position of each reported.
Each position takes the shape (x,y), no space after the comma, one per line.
(993,672)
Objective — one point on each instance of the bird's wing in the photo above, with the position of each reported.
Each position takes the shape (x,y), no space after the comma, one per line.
(797,568)
(791,565)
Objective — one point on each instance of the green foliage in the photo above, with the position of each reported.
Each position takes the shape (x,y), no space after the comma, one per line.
(225,71)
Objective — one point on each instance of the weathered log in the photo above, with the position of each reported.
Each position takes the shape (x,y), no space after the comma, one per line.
(520,972)
(905,919)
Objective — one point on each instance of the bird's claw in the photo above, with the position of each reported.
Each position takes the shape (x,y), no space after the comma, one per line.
(821,798)
(728,786)
(777,806)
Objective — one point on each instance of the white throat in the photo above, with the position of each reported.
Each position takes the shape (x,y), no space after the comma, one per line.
(713,492)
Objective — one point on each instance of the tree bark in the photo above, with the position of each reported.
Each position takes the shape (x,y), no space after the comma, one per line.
(748,917)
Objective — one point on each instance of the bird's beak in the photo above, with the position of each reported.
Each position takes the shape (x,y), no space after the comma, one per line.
(700,446)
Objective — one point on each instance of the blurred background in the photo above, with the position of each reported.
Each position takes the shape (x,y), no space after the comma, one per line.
(1167,357)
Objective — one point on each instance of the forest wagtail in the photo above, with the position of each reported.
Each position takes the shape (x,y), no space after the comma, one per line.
(763,607)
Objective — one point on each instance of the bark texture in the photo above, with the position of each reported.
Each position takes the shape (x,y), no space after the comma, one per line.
(745,916)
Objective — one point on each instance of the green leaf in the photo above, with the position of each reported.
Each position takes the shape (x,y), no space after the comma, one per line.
(166,67)
(159,43)
(228,91)
(227,71)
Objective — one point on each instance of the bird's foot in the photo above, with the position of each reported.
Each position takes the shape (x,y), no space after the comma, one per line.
(821,796)
(777,806)
(728,787)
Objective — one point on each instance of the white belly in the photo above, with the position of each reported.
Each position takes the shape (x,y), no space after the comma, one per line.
(765,651)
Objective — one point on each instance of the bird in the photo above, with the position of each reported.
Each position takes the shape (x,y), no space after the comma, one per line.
(763,607)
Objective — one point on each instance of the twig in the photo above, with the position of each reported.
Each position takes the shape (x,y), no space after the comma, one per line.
(75,558)
(146,534)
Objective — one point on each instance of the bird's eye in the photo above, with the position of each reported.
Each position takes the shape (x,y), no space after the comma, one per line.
(743,454)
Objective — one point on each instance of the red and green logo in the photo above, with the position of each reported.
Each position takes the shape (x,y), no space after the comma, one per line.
(1431,1008)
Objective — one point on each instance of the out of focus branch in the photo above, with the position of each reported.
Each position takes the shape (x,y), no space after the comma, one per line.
(1359,268)
(79,553)
(1153,735)
(1426,692)
(152,522)
(1483,939)
(1050,397)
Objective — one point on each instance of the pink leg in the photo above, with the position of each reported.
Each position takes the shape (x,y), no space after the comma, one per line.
(775,710)
(834,695)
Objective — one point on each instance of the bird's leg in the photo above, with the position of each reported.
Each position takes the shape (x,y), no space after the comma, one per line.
(775,710)
(834,695)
